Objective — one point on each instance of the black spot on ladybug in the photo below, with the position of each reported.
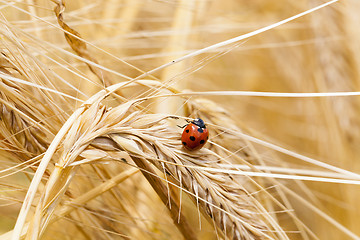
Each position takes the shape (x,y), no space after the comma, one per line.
(184,143)
(200,130)
(192,138)
(187,130)
(207,137)
(202,142)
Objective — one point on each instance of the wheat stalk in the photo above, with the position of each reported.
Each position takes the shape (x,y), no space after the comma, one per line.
(97,139)
(147,137)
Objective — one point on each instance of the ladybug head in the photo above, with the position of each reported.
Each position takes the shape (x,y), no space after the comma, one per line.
(199,122)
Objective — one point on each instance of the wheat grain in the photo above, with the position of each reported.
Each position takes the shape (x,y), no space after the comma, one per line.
(148,137)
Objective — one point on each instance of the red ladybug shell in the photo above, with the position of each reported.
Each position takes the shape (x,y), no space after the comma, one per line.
(194,136)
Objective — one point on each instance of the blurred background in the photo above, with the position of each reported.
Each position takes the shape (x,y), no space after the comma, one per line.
(319,52)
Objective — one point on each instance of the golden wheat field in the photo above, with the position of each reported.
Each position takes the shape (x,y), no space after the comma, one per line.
(94,95)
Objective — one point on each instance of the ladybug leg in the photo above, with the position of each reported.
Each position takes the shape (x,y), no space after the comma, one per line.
(185,124)
(173,117)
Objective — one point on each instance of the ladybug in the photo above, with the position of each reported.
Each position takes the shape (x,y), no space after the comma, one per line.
(194,135)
